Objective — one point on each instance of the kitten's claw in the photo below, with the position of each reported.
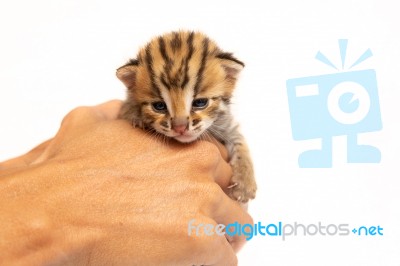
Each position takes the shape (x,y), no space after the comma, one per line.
(243,193)
(244,185)
(233,185)
(239,197)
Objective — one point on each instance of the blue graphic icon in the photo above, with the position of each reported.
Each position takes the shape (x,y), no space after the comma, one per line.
(344,103)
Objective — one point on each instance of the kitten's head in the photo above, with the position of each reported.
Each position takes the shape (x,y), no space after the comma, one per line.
(179,84)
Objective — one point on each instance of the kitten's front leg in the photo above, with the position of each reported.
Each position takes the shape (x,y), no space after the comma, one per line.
(244,185)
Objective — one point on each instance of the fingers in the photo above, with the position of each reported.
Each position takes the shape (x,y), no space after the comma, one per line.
(215,250)
(212,159)
(223,174)
(86,115)
(227,256)
(224,210)
(237,220)
(81,115)
(75,121)
(108,110)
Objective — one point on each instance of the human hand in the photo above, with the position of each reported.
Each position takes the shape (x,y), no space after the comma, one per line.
(101,193)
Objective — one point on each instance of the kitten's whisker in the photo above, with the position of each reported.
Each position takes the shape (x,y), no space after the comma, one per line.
(219,135)
(207,136)
(221,127)
(164,140)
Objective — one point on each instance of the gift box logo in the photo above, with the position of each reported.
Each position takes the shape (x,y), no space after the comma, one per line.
(343,103)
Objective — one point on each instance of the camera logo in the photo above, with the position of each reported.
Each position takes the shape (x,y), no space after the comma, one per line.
(325,106)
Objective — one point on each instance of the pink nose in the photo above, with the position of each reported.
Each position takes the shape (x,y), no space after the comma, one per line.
(180,128)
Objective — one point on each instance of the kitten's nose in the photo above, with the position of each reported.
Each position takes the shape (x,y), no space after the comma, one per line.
(179,125)
(180,129)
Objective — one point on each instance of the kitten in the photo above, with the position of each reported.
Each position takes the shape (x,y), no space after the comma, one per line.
(180,85)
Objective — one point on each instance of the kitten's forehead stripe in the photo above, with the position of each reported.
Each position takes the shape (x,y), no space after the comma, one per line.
(164,81)
(188,57)
(168,62)
(180,82)
(176,42)
(202,66)
(161,46)
(149,62)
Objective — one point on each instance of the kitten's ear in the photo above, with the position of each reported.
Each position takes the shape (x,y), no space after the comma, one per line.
(231,65)
(127,73)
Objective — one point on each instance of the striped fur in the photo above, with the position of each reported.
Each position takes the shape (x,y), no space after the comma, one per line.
(180,85)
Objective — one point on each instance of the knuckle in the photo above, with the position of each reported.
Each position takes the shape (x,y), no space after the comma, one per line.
(206,193)
(250,219)
(206,189)
(214,189)
(208,152)
(213,194)
(212,151)
(78,111)
(74,115)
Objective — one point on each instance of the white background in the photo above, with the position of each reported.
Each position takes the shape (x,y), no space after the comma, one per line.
(56,55)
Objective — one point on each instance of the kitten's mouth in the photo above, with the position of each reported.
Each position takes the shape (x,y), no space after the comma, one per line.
(185,138)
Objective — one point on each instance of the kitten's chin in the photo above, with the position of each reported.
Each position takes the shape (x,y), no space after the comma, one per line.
(185,138)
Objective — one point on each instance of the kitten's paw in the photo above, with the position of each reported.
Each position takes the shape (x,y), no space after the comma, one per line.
(243,192)
(243,186)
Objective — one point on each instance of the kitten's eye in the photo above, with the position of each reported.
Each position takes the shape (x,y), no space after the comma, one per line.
(160,107)
(200,103)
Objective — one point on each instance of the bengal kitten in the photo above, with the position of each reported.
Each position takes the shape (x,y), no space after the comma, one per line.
(180,85)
